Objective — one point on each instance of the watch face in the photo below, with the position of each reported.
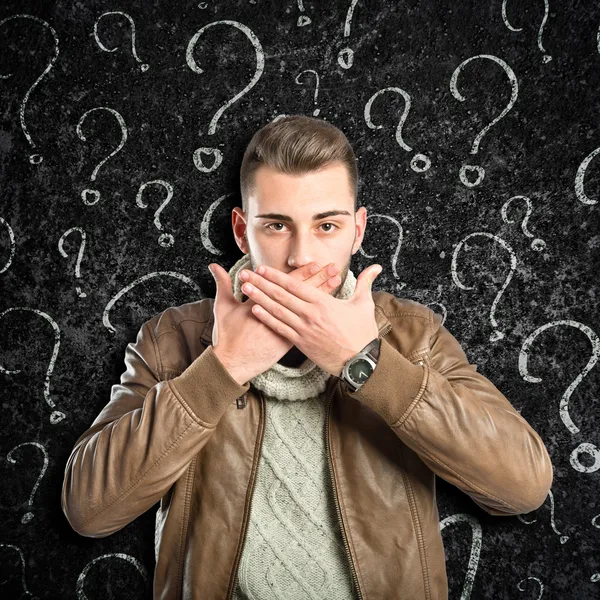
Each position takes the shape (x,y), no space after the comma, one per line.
(360,370)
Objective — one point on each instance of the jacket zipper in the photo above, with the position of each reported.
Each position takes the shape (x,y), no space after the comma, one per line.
(337,505)
(261,426)
(335,494)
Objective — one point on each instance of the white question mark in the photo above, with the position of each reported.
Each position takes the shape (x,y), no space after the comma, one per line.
(191,62)
(402,284)
(61,249)
(105,315)
(165,239)
(496,334)
(33,158)
(143,66)
(205,226)
(476,543)
(480,171)
(17,549)
(126,557)
(303,20)
(56,416)
(29,515)
(316,111)
(419,162)
(546,58)
(584,448)
(346,55)
(537,244)
(87,194)
(563,538)
(11,238)
(581,195)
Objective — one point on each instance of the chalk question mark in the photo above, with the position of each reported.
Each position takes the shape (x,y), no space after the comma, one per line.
(316,111)
(476,543)
(537,244)
(11,238)
(165,239)
(33,158)
(346,55)
(466,170)
(580,176)
(29,515)
(88,194)
(563,538)
(61,249)
(546,57)
(419,162)
(22,562)
(584,448)
(143,66)
(496,334)
(126,557)
(193,65)
(56,416)
(401,284)
(303,20)
(106,313)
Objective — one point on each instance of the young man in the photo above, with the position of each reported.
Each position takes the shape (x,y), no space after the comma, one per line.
(292,431)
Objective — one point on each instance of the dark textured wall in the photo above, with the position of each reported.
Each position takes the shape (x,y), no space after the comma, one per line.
(476,129)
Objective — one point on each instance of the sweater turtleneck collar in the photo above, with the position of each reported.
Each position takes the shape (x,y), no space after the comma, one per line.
(290,383)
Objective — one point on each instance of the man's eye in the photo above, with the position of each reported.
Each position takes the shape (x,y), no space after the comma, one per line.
(322,224)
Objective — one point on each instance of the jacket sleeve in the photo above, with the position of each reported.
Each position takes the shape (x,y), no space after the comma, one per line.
(144,438)
(460,425)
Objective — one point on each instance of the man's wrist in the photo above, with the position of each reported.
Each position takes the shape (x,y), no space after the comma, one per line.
(240,375)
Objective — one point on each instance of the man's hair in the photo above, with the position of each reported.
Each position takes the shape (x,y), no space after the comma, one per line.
(297,144)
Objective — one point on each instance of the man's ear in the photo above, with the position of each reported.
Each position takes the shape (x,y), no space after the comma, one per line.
(361,225)
(238,224)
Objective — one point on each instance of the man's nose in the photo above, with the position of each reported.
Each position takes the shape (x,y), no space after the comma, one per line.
(301,253)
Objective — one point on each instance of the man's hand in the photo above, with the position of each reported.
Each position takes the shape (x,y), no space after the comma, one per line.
(326,329)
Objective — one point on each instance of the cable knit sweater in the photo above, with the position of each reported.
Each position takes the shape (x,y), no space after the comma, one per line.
(294,548)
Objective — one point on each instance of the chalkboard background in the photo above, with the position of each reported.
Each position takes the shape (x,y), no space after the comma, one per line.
(476,128)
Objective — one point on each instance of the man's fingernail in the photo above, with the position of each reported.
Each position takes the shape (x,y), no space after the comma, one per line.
(315,268)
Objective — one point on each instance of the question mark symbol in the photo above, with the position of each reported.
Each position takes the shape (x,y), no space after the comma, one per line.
(56,416)
(563,538)
(496,334)
(303,20)
(33,158)
(466,170)
(29,515)
(584,448)
(165,239)
(316,111)
(400,285)
(537,244)
(193,65)
(88,193)
(63,237)
(419,162)
(143,66)
(546,58)
(346,55)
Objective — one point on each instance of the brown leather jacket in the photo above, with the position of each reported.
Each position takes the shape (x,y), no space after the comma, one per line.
(180,430)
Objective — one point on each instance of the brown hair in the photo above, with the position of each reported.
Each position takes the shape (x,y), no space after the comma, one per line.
(296,144)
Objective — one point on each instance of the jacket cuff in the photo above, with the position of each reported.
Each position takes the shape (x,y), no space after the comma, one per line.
(208,387)
(393,385)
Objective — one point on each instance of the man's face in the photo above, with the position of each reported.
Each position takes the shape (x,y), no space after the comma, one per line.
(280,228)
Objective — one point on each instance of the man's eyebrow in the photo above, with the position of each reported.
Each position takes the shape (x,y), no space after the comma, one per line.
(318,216)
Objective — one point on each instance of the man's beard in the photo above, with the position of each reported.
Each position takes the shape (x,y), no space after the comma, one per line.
(294,357)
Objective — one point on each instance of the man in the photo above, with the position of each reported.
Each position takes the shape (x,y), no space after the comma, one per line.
(292,431)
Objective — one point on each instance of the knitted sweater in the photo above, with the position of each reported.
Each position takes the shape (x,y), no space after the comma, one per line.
(294,548)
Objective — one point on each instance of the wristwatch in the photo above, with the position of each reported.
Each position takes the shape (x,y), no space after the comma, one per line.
(358,369)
